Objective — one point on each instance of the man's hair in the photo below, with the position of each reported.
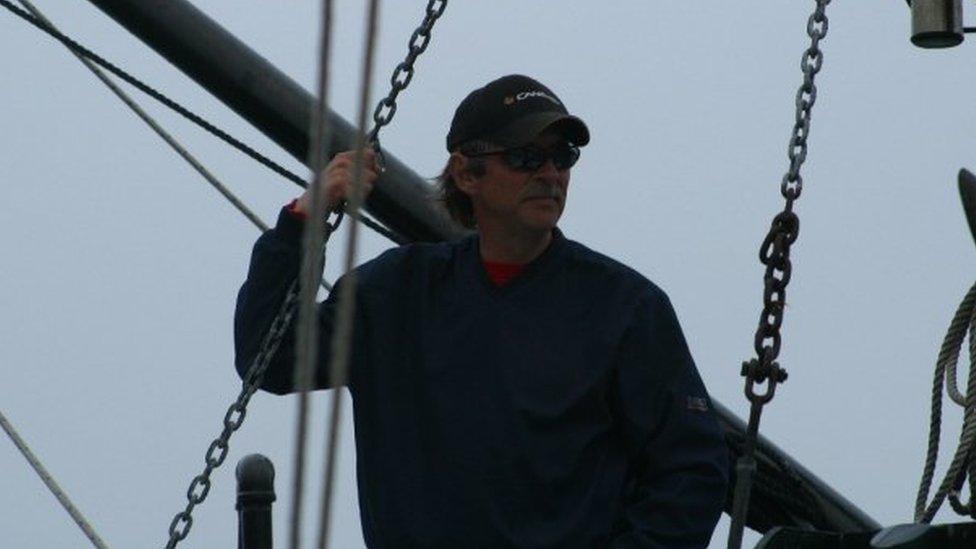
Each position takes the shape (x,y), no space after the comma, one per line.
(457,203)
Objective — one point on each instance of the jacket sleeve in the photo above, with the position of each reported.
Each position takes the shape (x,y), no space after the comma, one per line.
(275,263)
(678,477)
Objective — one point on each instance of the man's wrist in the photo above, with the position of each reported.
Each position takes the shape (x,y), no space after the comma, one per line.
(294,209)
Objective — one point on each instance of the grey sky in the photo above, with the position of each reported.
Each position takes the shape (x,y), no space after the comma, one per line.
(121,265)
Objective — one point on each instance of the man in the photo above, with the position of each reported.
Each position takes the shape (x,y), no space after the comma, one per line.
(513,388)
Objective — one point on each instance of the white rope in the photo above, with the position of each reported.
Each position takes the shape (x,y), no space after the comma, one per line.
(169,139)
(51,484)
(313,263)
(202,170)
(342,336)
(182,151)
(172,142)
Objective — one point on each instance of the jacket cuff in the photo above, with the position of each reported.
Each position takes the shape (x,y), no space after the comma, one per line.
(289,225)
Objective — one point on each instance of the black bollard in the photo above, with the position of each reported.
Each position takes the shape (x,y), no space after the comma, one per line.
(255,493)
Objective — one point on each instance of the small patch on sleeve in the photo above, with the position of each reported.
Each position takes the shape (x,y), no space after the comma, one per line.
(697,404)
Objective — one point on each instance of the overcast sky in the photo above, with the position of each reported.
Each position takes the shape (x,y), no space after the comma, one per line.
(121,265)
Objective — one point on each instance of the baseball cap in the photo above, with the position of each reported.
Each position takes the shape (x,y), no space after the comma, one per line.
(511,111)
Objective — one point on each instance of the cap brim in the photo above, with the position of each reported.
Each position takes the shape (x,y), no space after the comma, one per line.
(528,127)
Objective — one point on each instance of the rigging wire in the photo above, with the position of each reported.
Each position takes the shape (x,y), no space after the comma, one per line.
(42,22)
(342,337)
(51,484)
(221,444)
(202,170)
(83,52)
(313,263)
(217,452)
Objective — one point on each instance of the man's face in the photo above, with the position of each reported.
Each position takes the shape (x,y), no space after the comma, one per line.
(511,200)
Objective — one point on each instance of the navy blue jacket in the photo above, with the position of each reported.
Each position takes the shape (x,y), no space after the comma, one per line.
(562,410)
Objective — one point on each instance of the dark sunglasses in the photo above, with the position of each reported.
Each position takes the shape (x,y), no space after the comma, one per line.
(530,158)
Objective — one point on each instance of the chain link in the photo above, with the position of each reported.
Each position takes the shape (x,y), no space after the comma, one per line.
(774,253)
(403,73)
(806,96)
(217,452)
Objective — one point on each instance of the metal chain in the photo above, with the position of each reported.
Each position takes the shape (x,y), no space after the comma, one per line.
(234,417)
(774,253)
(403,73)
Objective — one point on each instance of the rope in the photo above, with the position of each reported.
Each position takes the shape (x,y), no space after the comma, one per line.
(965,509)
(34,18)
(313,262)
(42,22)
(152,92)
(342,337)
(51,484)
(965,318)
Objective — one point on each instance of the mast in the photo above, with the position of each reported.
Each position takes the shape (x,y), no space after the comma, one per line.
(273,103)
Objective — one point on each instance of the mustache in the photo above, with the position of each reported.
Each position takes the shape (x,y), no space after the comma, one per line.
(544,191)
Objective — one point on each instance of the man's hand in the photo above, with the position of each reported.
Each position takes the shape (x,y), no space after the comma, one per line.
(338,180)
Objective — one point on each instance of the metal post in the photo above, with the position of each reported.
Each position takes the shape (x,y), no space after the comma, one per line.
(255,493)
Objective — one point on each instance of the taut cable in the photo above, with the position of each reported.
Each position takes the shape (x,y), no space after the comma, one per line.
(313,262)
(52,484)
(342,337)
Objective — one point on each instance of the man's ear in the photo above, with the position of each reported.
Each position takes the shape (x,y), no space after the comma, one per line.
(463,178)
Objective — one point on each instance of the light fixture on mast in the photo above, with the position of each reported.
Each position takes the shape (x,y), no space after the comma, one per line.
(937,23)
